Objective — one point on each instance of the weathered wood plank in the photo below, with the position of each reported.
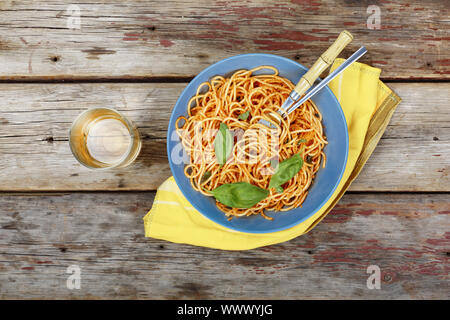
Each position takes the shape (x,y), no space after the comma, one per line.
(405,235)
(135,39)
(414,129)
(34,152)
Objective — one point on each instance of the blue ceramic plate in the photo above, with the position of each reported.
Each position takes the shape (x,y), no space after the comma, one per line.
(326,179)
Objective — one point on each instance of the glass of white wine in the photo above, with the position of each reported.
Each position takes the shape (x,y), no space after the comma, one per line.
(102,138)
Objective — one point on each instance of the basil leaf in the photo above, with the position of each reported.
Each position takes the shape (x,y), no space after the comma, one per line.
(287,169)
(301,141)
(279,189)
(223,144)
(244,116)
(239,194)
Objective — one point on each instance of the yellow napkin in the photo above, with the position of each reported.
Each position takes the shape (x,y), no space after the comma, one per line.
(368,105)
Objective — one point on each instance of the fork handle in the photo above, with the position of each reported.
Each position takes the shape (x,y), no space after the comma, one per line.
(324,61)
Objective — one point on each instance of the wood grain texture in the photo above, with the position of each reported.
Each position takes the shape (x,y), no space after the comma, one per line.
(44,232)
(140,39)
(405,235)
(413,155)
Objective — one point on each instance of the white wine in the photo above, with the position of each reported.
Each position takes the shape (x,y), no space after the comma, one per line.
(108,140)
(102,138)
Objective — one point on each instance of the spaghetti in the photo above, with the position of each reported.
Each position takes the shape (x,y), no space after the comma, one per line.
(241,102)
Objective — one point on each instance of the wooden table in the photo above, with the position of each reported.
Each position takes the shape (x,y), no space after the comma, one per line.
(137,56)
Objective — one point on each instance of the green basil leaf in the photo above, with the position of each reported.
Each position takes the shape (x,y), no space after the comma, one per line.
(279,189)
(223,144)
(244,116)
(301,141)
(239,194)
(287,169)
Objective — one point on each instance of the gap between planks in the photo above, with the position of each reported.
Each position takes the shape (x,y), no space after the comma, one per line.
(167,79)
(33,193)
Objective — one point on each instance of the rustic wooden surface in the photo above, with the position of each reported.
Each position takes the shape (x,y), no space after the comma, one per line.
(131,39)
(137,56)
(407,237)
(413,154)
